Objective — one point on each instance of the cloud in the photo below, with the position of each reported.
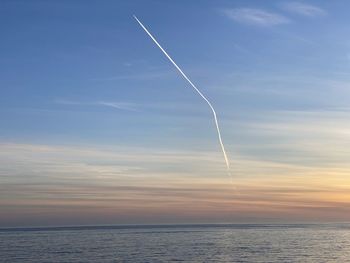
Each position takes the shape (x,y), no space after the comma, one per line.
(305,138)
(50,183)
(304,9)
(116,105)
(255,17)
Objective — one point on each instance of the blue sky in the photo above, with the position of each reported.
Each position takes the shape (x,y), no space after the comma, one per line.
(80,80)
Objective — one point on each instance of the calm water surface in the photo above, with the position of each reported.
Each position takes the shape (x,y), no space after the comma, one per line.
(190,243)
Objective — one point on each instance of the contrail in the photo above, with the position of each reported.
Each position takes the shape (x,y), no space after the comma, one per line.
(196,89)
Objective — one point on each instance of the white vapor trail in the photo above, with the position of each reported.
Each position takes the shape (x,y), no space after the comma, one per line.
(196,89)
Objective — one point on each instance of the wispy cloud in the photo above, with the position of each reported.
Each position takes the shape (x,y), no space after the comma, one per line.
(70,180)
(304,9)
(254,16)
(113,104)
(118,105)
(313,138)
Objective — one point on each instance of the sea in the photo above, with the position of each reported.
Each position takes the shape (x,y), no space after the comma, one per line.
(178,243)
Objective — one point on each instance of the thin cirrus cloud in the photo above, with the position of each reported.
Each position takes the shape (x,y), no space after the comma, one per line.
(118,105)
(255,16)
(112,104)
(304,9)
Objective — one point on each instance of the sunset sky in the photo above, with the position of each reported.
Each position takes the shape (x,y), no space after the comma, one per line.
(97,127)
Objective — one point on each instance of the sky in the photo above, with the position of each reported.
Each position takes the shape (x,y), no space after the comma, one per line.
(97,127)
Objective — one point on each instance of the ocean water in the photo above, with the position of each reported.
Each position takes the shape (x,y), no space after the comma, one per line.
(178,243)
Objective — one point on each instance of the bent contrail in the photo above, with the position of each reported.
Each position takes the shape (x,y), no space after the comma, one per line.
(196,89)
